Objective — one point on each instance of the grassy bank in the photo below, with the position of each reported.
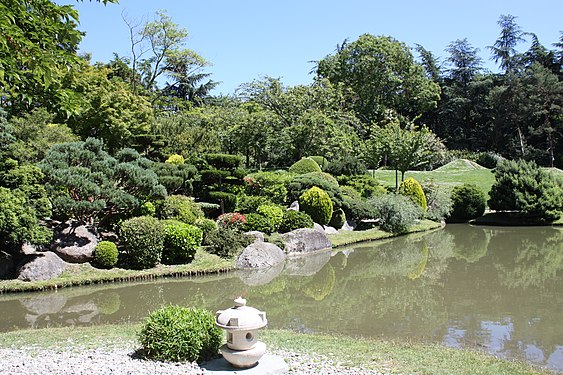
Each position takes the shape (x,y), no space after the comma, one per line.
(385,356)
(350,237)
(455,173)
(85,274)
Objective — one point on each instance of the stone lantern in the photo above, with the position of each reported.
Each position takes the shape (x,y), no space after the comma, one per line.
(241,324)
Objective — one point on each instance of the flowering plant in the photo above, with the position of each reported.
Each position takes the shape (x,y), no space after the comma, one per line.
(231,220)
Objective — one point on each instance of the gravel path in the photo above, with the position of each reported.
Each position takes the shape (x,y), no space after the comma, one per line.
(32,361)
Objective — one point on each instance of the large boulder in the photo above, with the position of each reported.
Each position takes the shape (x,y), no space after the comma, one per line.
(75,242)
(7,265)
(43,266)
(305,240)
(260,255)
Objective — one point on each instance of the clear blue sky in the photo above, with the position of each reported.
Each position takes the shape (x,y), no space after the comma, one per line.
(248,39)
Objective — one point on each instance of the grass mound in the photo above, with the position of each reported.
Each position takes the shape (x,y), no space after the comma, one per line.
(459,164)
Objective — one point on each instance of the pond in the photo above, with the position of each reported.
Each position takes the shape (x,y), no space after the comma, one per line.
(492,288)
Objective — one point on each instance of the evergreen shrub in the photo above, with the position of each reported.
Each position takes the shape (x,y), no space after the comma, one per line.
(358,209)
(147,209)
(175,159)
(273,213)
(364,184)
(299,184)
(320,160)
(224,161)
(396,212)
(250,203)
(206,225)
(181,242)
(346,165)
(227,200)
(439,202)
(179,207)
(143,240)
(317,204)
(305,165)
(411,188)
(227,243)
(294,220)
(259,222)
(178,334)
(272,185)
(106,254)
(523,186)
(468,202)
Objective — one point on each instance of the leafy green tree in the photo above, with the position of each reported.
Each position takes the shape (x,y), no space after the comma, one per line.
(407,148)
(87,184)
(380,74)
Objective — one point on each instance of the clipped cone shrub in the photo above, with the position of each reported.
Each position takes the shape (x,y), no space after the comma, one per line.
(411,188)
(317,204)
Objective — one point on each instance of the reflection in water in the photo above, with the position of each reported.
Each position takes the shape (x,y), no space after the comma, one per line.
(494,288)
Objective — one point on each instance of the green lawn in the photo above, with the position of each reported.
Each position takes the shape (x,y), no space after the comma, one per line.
(454,173)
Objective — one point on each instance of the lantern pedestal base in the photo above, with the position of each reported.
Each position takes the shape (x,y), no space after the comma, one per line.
(244,358)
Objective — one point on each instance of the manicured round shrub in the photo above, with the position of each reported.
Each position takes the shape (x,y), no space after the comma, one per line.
(143,240)
(305,165)
(411,188)
(468,202)
(294,220)
(105,254)
(273,213)
(338,219)
(396,212)
(206,225)
(177,334)
(348,165)
(227,201)
(179,207)
(175,159)
(320,160)
(259,222)
(299,184)
(181,242)
(227,243)
(317,204)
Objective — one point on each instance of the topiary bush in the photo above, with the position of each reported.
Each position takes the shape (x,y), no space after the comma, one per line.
(147,209)
(227,201)
(299,184)
(177,334)
(259,222)
(411,188)
(175,159)
(317,204)
(106,254)
(206,225)
(468,202)
(347,165)
(181,242)
(227,243)
(273,213)
(305,165)
(320,160)
(143,240)
(294,220)
(396,212)
(179,207)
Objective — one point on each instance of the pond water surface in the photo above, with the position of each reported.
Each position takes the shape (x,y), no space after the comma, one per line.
(495,289)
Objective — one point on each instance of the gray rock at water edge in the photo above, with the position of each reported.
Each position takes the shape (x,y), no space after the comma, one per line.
(75,242)
(7,265)
(258,236)
(43,266)
(318,227)
(330,230)
(260,255)
(294,206)
(305,240)
(349,225)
